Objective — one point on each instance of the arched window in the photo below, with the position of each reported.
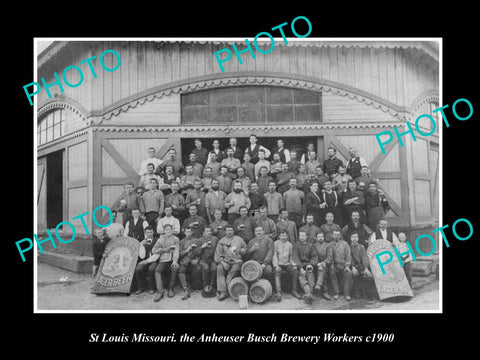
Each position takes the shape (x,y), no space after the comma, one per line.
(50,126)
(251,105)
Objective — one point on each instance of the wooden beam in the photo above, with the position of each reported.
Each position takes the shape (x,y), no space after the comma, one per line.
(165,148)
(342,149)
(76,184)
(380,157)
(388,175)
(39,187)
(118,158)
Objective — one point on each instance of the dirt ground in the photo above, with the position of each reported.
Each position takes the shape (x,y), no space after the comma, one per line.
(60,289)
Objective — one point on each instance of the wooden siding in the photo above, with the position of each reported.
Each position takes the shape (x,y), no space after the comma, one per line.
(41,194)
(77,162)
(77,204)
(422,198)
(393,74)
(420,156)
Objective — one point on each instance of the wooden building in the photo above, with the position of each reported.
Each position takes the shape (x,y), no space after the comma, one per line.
(92,138)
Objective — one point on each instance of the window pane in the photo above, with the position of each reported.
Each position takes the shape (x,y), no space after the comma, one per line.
(38,138)
(49,119)
(307,113)
(56,131)
(224,114)
(251,114)
(49,134)
(305,97)
(195,114)
(196,98)
(223,97)
(42,124)
(251,96)
(43,135)
(279,114)
(279,96)
(57,116)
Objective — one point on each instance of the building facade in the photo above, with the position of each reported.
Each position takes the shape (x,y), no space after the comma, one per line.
(93,137)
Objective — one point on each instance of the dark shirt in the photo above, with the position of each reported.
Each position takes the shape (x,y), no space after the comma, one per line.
(207,253)
(201,155)
(359,257)
(248,225)
(304,254)
(197,224)
(256,200)
(98,247)
(331,165)
(293,166)
(264,254)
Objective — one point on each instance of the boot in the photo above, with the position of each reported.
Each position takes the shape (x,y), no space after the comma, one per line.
(171,292)
(294,289)
(158,296)
(186,294)
(277,296)
(222,296)
(307,297)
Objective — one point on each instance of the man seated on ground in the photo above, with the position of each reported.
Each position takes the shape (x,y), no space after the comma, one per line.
(228,256)
(168,219)
(325,258)
(188,260)
(260,249)
(206,246)
(167,249)
(356,226)
(362,277)
(283,262)
(145,270)
(305,256)
(341,266)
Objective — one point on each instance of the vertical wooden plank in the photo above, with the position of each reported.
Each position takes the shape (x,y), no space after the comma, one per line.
(149,65)
(192,60)
(390,68)
(259,57)
(175,64)
(325,63)
(107,79)
(133,69)
(201,60)
(116,75)
(97,84)
(358,61)
(167,58)
(184,70)
(210,60)
(344,76)
(141,65)
(333,61)
(366,70)
(382,72)
(125,70)
(285,59)
(375,86)
(311,61)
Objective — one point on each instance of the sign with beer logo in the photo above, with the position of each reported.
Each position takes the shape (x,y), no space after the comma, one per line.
(394,282)
(117,266)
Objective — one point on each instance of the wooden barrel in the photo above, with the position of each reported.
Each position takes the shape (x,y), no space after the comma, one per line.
(251,270)
(237,286)
(260,291)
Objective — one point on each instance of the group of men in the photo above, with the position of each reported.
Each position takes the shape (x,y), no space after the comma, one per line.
(298,218)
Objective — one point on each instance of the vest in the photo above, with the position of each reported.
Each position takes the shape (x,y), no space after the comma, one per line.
(282,154)
(354,167)
(253,153)
(136,231)
(378,235)
(329,203)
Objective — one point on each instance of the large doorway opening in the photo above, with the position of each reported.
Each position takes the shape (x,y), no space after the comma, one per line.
(298,143)
(54,188)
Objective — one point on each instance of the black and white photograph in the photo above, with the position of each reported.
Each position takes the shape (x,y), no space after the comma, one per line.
(269,174)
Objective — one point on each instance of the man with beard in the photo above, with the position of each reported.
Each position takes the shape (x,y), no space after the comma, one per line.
(254,148)
(340,181)
(176,201)
(267,224)
(332,202)
(262,162)
(214,200)
(196,196)
(355,226)
(274,201)
(228,256)
(213,164)
(235,200)
(246,182)
(187,180)
(293,164)
(283,179)
(195,222)
(224,180)
(237,153)
(249,167)
(257,200)
(219,154)
(325,258)
(287,225)
(282,152)
(376,205)
(331,165)
(127,202)
(176,164)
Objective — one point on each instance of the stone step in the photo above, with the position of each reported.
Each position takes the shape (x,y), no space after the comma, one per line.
(75,263)
(423,267)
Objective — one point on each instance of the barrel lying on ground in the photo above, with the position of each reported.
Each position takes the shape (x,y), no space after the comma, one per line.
(251,270)
(260,291)
(238,286)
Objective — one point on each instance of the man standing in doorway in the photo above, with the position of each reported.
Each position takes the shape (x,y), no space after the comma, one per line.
(253,149)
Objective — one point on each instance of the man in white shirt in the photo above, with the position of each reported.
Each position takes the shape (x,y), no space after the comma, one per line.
(145,179)
(261,162)
(168,219)
(135,226)
(151,159)
(355,164)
